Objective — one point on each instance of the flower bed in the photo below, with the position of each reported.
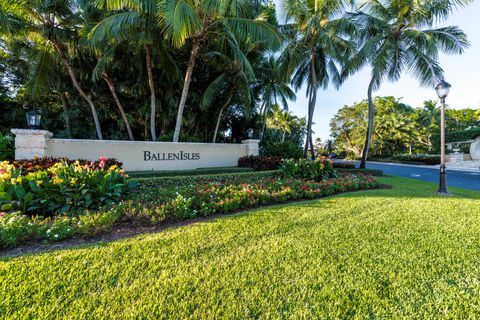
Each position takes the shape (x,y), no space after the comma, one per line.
(60,187)
(216,197)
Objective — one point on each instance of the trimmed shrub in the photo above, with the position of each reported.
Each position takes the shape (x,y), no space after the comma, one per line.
(260,163)
(418,158)
(316,170)
(7,147)
(184,173)
(343,165)
(457,136)
(366,172)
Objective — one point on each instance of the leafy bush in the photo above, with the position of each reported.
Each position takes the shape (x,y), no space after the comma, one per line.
(260,163)
(7,147)
(61,188)
(214,197)
(343,165)
(457,136)
(16,228)
(284,150)
(316,170)
(420,158)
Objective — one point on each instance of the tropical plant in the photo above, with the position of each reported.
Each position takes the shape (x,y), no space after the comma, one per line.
(52,25)
(196,21)
(318,44)
(398,36)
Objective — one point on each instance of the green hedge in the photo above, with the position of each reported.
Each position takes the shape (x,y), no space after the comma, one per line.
(457,136)
(368,172)
(194,172)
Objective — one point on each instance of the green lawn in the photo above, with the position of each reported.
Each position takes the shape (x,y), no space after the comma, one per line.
(394,253)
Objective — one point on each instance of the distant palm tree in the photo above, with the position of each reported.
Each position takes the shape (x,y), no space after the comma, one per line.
(275,88)
(319,44)
(231,85)
(197,20)
(281,120)
(398,36)
(133,20)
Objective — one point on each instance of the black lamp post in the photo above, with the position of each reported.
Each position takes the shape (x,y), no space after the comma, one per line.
(33,119)
(443,88)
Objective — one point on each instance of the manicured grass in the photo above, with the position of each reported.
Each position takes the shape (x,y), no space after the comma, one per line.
(404,252)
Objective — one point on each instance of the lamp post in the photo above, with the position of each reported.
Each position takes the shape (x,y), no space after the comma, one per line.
(33,119)
(443,88)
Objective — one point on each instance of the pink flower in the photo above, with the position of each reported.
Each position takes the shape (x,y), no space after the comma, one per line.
(103,158)
(102,162)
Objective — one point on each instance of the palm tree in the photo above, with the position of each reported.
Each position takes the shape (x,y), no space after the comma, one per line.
(281,120)
(273,87)
(104,51)
(52,23)
(195,21)
(133,20)
(398,36)
(318,45)
(231,84)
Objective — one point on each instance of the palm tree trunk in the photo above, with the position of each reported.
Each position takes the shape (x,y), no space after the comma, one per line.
(220,118)
(77,86)
(283,136)
(68,126)
(153,100)
(311,106)
(263,111)
(371,115)
(119,104)
(186,87)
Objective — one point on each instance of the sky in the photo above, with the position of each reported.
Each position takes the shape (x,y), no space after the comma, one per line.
(461,71)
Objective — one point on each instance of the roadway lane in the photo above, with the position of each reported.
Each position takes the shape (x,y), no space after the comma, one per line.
(461,179)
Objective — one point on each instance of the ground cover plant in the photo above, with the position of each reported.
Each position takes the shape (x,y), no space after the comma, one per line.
(398,253)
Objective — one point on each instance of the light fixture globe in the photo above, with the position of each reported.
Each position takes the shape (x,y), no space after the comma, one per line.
(250,133)
(33,119)
(443,88)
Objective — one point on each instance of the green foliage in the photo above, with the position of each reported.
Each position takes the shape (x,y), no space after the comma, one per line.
(457,136)
(421,158)
(17,228)
(260,163)
(316,170)
(284,150)
(389,254)
(64,188)
(7,147)
(232,195)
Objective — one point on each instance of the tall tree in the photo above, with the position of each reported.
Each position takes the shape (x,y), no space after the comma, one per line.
(53,23)
(135,21)
(195,21)
(319,44)
(398,36)
(274,88)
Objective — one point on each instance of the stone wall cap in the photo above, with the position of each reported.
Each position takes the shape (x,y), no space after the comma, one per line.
(250,141)
(32,132)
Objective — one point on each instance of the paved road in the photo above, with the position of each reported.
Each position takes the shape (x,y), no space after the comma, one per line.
(467,180)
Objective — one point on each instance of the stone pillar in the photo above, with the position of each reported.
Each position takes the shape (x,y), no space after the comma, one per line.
(475,149)
(252,147)
(30,143)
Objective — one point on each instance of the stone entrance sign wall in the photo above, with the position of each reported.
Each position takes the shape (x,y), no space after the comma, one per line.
(135,155)
(475,149)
